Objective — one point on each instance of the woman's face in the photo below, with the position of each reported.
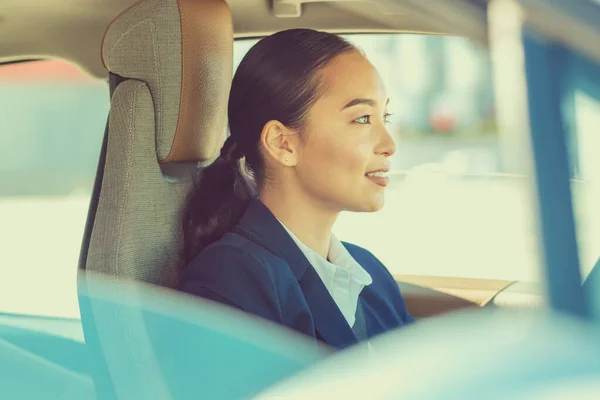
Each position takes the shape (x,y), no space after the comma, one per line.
(343,158)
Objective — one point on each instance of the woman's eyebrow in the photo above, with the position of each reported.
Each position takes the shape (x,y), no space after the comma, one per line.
(368,102)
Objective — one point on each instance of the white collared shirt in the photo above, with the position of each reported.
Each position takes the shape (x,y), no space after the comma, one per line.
(342,275)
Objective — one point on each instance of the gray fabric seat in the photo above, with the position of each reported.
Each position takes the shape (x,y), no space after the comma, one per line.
(172,60)
(176,61)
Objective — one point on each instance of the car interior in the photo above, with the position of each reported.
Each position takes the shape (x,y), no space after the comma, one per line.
(137,43)
(169,68)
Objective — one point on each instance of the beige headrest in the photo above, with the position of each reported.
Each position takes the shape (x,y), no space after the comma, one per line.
(182,49)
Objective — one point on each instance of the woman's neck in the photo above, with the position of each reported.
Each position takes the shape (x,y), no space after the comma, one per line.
(309,221)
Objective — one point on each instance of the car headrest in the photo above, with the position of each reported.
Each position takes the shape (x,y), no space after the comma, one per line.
(182,49)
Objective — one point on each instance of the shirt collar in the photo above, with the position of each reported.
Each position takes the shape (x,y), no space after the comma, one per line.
(338,257)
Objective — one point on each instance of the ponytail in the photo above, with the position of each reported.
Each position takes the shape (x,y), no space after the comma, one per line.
(216,202)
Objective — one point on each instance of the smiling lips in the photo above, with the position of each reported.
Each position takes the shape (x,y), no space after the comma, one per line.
(378,177)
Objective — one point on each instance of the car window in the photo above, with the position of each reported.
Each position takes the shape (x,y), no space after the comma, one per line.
(584,144)
(52,119)
(451,209)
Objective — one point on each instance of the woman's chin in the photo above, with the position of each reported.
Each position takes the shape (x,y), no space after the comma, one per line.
(377,207)
(377,202)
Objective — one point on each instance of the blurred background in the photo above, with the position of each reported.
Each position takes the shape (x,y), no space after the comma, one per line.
(455,208)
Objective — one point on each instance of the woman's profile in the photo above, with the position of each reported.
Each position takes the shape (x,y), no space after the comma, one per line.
(308,140)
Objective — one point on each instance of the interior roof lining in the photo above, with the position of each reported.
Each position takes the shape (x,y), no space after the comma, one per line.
(245,36)
(73,31)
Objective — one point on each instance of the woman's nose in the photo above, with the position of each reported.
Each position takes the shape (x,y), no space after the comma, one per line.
(387,145)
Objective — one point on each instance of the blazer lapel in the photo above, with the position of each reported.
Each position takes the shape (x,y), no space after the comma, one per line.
(329,320)
(260,225)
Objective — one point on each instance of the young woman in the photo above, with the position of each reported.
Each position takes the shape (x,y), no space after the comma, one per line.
(307,116)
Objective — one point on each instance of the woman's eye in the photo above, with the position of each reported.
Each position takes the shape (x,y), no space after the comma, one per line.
(387,119)
(365,119)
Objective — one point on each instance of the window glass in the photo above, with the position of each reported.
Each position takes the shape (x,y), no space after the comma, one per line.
(451,209)
(581,111)
(586,181)
(52,119)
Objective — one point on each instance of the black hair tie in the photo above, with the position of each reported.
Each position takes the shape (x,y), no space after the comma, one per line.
(231,150)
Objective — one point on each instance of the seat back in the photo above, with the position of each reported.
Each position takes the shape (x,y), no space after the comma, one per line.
(170,63)
(173,63)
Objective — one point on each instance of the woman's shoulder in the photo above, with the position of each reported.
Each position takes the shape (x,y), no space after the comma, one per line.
(229,248)
(238,272)
(229,257)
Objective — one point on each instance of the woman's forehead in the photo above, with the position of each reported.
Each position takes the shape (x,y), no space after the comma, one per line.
(351,76)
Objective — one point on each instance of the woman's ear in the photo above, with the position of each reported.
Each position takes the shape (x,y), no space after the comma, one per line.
(280,143)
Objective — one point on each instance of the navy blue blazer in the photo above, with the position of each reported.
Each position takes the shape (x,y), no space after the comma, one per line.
(258,268)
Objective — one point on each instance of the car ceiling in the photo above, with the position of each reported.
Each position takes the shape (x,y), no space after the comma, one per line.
(73,29)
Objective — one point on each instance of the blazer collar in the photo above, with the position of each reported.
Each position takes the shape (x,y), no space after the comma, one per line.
(260,225)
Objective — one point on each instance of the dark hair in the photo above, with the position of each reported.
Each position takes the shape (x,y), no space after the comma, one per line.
(276,80)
